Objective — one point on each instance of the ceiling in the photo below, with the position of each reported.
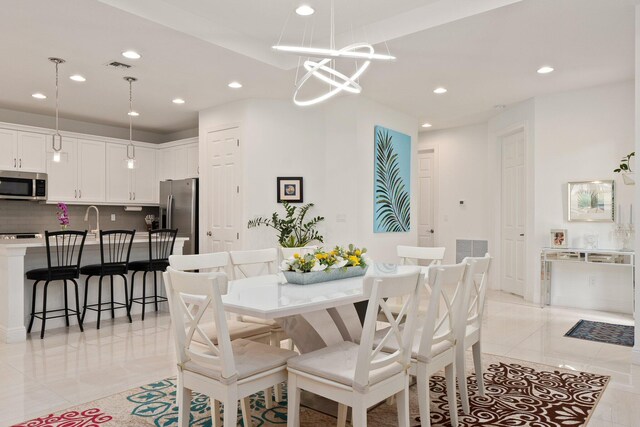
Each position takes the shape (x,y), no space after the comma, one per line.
(485,52)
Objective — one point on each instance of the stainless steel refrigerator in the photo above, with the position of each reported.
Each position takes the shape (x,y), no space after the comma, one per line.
(179,209)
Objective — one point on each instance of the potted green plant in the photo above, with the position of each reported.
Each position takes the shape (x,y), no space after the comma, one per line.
(628,176)
(293,231)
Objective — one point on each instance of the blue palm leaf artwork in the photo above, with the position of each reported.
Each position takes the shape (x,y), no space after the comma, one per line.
(392,186)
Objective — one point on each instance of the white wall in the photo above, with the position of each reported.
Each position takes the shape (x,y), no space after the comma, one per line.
(331,147)
(462,174)
(636,348)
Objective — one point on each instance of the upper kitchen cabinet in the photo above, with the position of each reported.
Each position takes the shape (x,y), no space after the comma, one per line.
(178,162)
(80,175)
(193,161)
(22,151)
(131,186)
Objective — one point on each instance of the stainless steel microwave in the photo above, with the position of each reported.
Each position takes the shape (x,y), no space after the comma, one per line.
(23,185)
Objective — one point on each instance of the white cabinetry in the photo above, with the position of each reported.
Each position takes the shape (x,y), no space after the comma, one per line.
(22,151)
(178,162)
(80,174)
(131,186)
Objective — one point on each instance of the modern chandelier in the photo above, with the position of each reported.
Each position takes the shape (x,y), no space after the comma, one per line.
(323,68)
(131,149)
(56,142)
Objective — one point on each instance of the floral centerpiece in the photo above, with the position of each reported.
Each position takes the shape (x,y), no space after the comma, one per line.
(323,266)
(63,215)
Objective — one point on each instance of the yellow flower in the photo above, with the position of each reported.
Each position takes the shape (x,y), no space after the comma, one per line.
(358,252)
(319,256)
(354,260)
(296,256)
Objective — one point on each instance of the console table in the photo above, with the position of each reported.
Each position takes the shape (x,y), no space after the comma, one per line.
(621,258)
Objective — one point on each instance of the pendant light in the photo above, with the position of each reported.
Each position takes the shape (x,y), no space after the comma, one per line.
(131,149)
(56,142)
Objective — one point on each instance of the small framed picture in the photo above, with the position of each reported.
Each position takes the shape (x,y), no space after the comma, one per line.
(559,238)
(290,189)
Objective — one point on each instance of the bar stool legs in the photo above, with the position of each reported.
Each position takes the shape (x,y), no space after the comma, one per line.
(143,300)
(42,315)
(112,305)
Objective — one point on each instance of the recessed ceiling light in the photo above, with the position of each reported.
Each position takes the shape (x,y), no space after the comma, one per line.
(427,125)
(133,113)
(235,85)
(78,78)
(178,101)
(131,54)
(440,90)
(39,95)
(305,10)
(545,70)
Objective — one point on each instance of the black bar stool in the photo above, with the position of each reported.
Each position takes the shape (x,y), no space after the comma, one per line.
(161,244)
(115,248)
(64,251)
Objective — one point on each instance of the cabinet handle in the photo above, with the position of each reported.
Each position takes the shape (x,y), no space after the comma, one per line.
(79,194)
(75,194)
(15,163)
(134,195)
(20,166)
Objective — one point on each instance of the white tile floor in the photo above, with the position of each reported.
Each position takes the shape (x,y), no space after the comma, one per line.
(69,367)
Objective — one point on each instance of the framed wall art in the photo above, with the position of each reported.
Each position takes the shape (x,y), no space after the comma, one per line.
(591,201)
(392,182)
(290,189)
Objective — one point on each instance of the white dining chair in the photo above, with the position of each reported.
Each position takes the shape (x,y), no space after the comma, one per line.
(226,371)
(414,255)
(362,375)
(260,262)
(434,344)
(219,262)
(471,331)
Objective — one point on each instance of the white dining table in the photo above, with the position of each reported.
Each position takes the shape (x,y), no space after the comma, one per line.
(313,316)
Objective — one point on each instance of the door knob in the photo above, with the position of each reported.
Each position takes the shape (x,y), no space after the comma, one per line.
(209,233)
(431,231)
(522,235)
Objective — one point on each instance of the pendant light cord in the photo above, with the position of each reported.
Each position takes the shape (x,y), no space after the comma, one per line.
(131,156)
(57,127)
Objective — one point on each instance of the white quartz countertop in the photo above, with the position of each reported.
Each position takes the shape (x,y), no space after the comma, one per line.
(36,243)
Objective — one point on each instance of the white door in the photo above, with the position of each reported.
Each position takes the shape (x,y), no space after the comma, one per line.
(62,184)
(223,191)
(8,149)
(145,185)
(31,152)
(91,171)
(426,208)
(513,213)
(118,176)
(193,159)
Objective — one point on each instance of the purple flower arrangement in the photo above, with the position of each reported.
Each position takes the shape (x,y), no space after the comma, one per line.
(63,215)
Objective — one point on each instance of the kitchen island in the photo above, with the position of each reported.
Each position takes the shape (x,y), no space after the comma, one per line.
(20,255)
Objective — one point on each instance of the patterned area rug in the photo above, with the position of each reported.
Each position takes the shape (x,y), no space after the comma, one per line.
(518,393)
(602,332)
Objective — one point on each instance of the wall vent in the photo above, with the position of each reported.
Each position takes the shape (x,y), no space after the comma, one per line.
(471,248)
(118,65)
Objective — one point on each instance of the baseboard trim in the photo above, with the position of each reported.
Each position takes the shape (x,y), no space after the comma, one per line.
(13,335)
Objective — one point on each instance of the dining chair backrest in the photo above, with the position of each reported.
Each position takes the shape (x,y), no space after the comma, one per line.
(215,261)
(190,297)
(253,263)
(115,247)
(161,243)
(64,248)
(202,263)
(303,250)
(407,286)
(476,288)
(412,255)
(443,324)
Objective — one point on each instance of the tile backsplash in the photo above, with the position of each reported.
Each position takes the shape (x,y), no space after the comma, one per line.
(23,217)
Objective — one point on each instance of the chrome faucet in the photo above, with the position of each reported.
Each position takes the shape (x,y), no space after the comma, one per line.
(86,218)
